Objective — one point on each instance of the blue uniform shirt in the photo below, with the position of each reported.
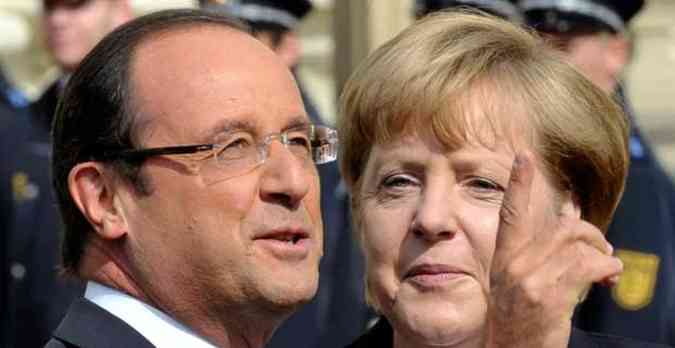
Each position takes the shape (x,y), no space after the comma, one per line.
(35,297)
(642,305)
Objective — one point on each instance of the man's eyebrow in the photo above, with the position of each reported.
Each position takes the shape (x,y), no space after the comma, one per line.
(228,126)
(297,121)
(224,127)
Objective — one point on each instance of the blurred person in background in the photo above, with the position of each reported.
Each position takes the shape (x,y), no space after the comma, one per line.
(594,36)
(338,313)
(34,296)
(71,29)
(506,9)
(13,121)
(11,96)
(275,23)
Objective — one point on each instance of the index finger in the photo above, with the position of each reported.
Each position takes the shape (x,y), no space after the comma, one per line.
(514,213)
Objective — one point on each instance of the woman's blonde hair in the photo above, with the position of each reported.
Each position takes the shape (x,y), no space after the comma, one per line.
(431,76)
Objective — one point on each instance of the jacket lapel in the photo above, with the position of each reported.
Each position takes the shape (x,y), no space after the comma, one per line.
(88,325)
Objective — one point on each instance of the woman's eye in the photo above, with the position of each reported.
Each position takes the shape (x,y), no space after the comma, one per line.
(485,184)
(486,189)
(399,181)
(395,187)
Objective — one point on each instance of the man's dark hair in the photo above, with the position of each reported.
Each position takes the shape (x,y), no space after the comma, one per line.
(275,31)
(96,113)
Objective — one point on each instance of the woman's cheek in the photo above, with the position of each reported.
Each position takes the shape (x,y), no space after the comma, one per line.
(384,231)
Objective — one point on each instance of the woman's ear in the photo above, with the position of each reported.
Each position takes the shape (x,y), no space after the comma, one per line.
(94,194)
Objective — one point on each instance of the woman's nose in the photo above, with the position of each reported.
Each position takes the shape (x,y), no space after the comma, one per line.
(435,218)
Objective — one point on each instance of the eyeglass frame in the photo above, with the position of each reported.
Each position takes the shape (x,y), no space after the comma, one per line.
(140,155)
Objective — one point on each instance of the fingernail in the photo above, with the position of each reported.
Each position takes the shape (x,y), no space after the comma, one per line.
(610,249)
(611,281)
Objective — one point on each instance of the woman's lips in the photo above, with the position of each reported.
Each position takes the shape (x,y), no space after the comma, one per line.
(432,276)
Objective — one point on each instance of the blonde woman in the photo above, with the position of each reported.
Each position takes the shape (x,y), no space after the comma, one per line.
(483,172)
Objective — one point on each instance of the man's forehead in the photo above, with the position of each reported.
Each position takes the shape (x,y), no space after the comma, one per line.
(179,58)
(200,45)
(192,78)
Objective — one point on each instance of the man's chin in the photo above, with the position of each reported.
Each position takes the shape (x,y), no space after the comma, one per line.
(291,295)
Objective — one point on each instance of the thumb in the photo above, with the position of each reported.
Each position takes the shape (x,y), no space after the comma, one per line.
(514,217)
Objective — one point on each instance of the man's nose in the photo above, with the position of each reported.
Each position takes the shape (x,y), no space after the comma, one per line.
(286,178)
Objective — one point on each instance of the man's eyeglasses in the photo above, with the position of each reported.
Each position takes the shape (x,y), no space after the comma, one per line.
(239,152)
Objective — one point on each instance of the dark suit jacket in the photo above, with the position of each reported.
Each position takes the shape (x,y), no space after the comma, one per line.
(381,336)
(87,325)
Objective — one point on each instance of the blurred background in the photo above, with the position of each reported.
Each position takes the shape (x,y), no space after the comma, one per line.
(339,33)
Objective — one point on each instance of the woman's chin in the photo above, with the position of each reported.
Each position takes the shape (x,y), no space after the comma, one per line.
(438,320)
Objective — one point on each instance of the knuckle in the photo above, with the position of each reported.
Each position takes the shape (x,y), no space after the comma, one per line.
(569,226)
(581,255)
(531,290)
(618,263)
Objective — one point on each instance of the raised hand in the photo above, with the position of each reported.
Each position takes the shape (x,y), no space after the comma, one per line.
(541,268)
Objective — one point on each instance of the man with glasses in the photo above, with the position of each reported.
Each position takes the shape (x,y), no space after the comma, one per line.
(593,35)
(186,177)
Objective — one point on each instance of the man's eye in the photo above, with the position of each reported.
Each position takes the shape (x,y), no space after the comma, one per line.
(235,148)
(299,141)
(299,144)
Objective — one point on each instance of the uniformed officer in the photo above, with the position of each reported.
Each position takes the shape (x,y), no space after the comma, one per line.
(594,36)
(35,296)
(274,22)
(10,96)
(338,313)
(7,120)
(506,9)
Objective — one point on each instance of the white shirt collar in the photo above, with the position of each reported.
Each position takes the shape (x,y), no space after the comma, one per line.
(158,328)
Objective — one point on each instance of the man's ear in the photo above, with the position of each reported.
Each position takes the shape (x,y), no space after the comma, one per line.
(93,193)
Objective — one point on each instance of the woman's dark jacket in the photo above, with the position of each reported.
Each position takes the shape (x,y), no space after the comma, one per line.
(381,336)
